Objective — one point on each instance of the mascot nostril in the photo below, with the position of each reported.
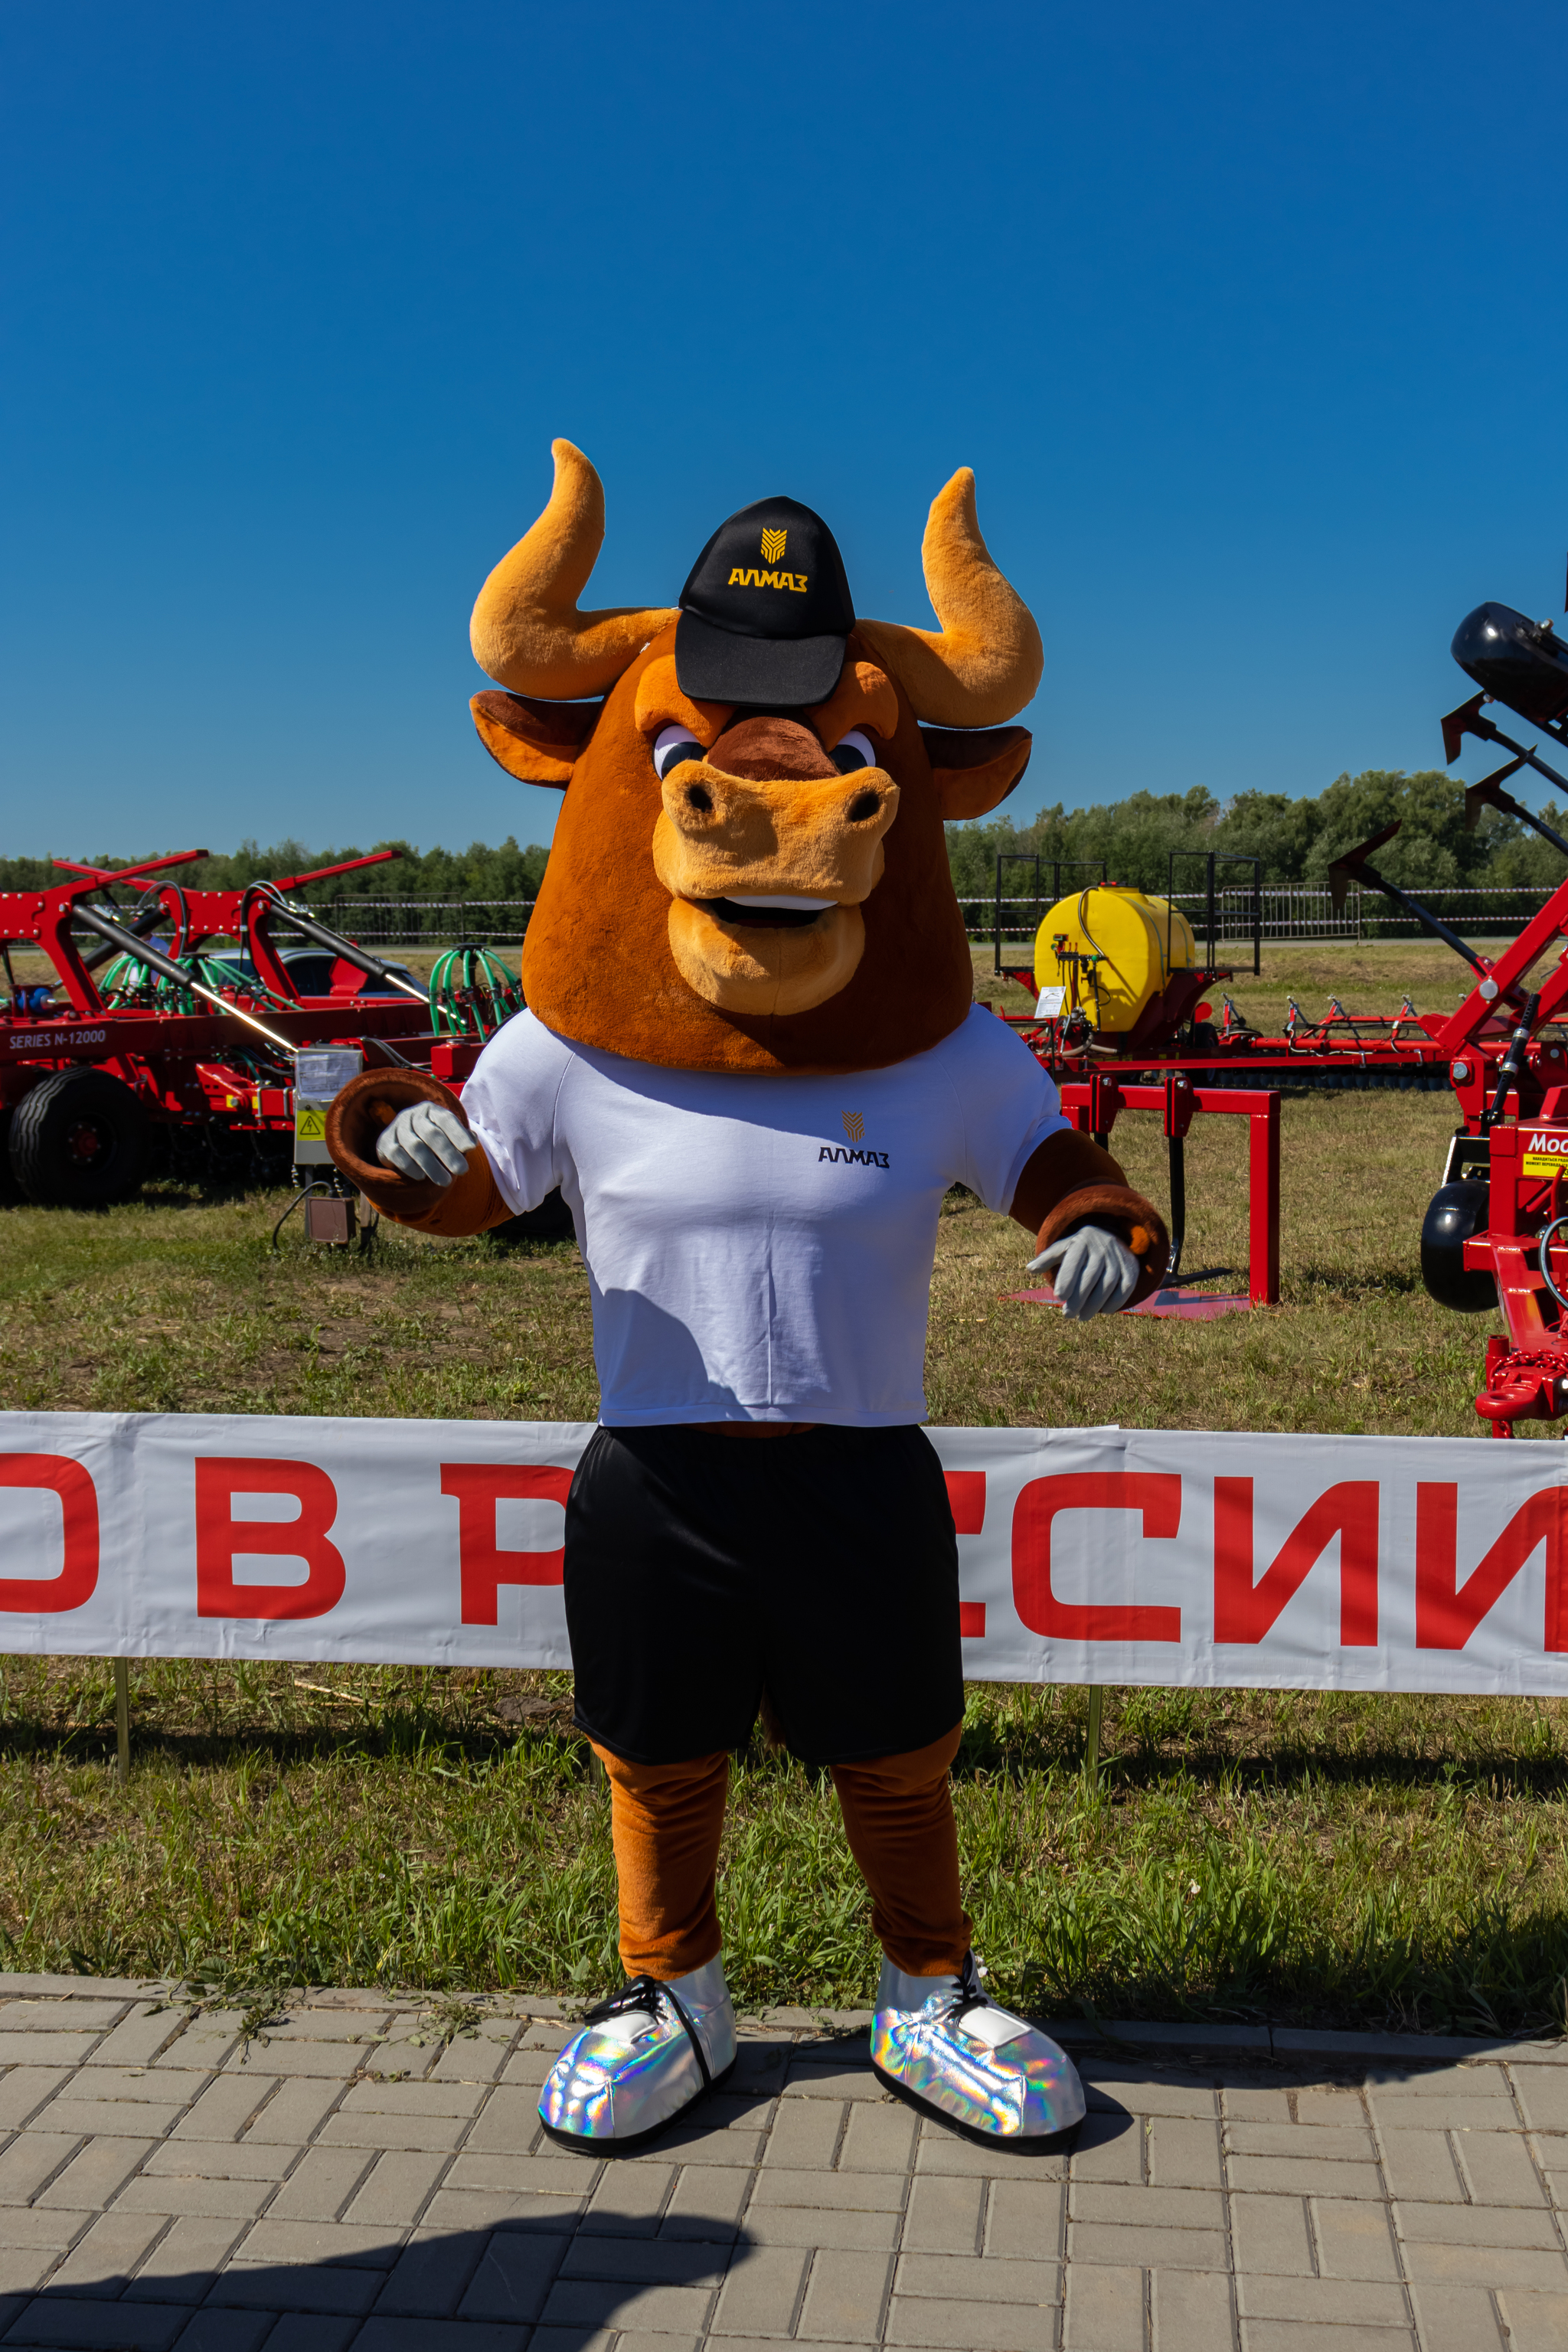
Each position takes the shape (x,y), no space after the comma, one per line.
(752,1063)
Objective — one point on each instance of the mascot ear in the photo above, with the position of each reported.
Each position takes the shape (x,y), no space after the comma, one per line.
(975,768)
(538,742)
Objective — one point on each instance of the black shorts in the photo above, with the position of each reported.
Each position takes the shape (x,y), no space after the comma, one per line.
(701,1569)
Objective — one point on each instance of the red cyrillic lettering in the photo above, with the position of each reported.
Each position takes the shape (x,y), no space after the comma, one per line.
(477,1487)
(967,1495)
(1243,1611)
(1156,1494)
(1446,1611)
(77,1578)
(220,1537)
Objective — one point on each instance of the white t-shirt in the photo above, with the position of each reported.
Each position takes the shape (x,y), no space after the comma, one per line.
(759,1248)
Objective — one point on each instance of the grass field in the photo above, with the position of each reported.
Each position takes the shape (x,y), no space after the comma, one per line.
(1310,1858)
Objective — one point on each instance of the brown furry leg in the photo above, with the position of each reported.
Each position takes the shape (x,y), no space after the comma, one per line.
(667,1820)
(898,1816)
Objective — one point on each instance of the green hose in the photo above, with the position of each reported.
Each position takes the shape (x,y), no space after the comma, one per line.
(472,993)
(128,985)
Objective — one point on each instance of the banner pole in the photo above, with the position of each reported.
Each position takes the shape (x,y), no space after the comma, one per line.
(122,1717)
(1096,1710)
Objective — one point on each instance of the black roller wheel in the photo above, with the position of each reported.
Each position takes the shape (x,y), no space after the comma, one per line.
(1455,1213)
(78,1141)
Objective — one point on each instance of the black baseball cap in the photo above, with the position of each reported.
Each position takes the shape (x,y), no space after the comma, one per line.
(765,612)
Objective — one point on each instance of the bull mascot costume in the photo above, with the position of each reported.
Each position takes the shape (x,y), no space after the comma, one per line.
(752,1063)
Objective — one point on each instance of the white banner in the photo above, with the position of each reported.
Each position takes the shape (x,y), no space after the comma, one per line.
(1087,1555)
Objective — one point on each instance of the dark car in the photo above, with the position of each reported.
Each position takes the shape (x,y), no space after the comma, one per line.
(311,970)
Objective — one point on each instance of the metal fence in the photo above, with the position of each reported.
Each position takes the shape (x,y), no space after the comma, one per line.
(1297,915)
(430,922)
(1287,914)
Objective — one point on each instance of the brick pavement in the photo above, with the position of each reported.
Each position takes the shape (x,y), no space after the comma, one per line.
(354,2176)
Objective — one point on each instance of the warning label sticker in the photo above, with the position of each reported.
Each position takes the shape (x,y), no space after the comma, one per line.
(311,1122)
(1546,1153)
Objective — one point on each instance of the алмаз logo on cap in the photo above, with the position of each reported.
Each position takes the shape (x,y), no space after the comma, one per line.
(744,576)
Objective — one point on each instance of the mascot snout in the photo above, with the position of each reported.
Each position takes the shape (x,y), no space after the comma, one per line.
(766,873)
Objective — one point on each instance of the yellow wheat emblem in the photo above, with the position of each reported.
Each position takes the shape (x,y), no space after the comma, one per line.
(854,1126)
(773,546)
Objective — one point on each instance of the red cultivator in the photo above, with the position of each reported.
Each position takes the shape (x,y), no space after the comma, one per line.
(1166,1028)
(181,1038)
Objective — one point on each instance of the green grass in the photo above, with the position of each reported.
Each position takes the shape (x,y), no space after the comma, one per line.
(1309,1859)
(1312,1858)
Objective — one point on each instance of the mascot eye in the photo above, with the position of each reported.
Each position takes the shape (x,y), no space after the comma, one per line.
(670,746)
(854,751)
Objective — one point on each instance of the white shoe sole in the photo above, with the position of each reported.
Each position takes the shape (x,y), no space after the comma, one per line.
(1056,2143)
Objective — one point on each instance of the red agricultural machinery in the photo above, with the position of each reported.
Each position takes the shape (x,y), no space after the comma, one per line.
(1120,1024)
(216,1041)
(1495,1237)
(1119,977)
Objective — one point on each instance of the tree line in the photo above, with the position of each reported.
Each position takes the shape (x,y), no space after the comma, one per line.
(1297,840)
(477,872)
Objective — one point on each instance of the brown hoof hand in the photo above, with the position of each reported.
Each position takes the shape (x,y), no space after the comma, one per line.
(357,1115)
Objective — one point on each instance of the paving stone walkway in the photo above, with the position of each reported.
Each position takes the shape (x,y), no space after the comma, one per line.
(356,2173)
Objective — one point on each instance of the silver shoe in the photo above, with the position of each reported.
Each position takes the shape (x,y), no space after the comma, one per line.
(642,2058)
(940,2044)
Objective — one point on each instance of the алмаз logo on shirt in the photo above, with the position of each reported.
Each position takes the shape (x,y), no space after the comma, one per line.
(855,1128)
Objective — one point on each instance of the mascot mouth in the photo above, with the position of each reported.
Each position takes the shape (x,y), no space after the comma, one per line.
(780,913)
(757,958)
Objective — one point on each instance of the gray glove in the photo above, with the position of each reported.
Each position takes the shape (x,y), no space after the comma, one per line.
(1091,1272)
(427,1141)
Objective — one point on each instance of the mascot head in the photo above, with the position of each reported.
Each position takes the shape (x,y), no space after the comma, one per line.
(748,872)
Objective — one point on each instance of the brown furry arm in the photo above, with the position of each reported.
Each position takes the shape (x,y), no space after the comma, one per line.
(471,1203)
(1070,1181)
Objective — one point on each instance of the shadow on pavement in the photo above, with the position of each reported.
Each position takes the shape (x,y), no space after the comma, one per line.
(580,2274)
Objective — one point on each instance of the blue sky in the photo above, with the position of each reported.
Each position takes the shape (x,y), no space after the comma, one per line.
(1249,321)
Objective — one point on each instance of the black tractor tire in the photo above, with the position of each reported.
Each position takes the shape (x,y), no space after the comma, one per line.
(1454,1214)
(10,1191)
(80,1141)
(550,1221)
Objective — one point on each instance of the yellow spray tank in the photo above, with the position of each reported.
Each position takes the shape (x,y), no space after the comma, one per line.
(1113,951)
